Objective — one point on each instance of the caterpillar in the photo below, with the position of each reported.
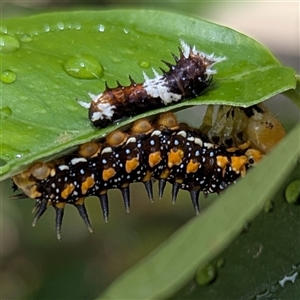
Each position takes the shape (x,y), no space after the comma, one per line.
(208,159)
(187,79)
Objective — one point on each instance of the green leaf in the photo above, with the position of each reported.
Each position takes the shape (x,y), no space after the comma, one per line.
(194,244)
(39,114)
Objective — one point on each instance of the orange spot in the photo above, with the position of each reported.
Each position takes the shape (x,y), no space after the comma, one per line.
(167,120)
(131,164)
(80,201)
(192,166)
(256,155)
(108,173)
(60,205)
(154,159)
(238,164)
(165,173)
(222,162)
(34,192)
(116,138)
(67,191)
(141,126)
(175,157)
(88,183)
(232,149)
(89,149)
(245,145)
(148,176)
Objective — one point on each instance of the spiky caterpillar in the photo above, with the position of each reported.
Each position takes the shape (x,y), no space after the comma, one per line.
(163,150)
(187,79)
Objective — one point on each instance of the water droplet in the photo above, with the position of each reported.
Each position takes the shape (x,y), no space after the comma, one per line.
(292,192)
(3,29)
(5,112)
(61,25)
(8,44)
(206,275)
(77,26)
(268,206)
(101,28)
(144,64)
(126,30)
(8,76)
(46,27)
(83,66)
(25,38)
(220,262)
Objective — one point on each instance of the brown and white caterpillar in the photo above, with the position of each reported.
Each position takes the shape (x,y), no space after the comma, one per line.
(187,79)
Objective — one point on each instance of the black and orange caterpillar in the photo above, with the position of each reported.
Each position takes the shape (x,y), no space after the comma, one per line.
(208,159)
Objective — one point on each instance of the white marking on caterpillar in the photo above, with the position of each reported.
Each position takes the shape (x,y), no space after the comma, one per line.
(106,110)
(75,161)
(158,87)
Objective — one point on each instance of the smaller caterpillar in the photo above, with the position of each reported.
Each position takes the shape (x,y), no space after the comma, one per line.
(208,159)
(187,79)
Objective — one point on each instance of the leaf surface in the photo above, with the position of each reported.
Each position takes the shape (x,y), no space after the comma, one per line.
(40,117)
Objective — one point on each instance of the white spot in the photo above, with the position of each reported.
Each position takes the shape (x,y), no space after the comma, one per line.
(182,133)
(198,142)
(155,73)
(106,150)
(156,132)
(208,145)
(75,161)
(158,88)
(63,167)
(210,59)
(131,140)
(84,104)
(186,49)
(94,97)
(145,76)
(106,110)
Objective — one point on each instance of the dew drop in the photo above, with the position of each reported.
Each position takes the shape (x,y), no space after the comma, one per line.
(25,38)
(83,66)
(144,64)
(46,27)
(220,262)
(5,112)
(3,29)
(61,26)
(268,206)
(8,76)
(126,30)
(101,28)
(292,192)
(206,275)
(8,44)
(77,26)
